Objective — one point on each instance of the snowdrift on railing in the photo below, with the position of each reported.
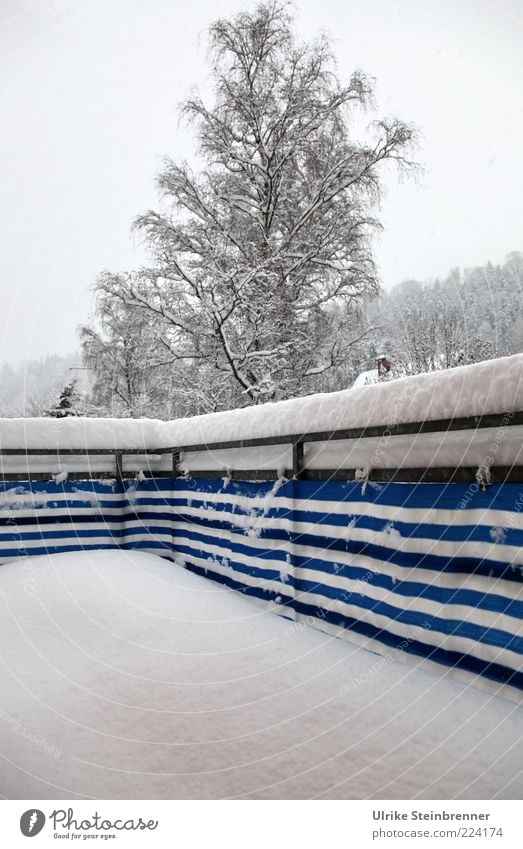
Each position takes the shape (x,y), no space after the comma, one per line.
(495,386)
(76,432)
(491,387)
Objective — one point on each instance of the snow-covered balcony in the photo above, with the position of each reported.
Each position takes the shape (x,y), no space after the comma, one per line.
(388,516)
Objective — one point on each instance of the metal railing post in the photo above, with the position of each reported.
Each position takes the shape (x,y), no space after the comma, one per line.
(119,465)
(297,459)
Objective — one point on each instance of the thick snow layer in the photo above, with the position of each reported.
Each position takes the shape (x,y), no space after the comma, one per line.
(125,676)
(72,432)
(504,447)
(489,387)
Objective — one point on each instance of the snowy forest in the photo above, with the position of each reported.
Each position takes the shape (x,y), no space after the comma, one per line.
(33,387)
(262,283)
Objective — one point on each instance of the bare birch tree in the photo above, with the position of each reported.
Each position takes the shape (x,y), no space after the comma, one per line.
(260,258)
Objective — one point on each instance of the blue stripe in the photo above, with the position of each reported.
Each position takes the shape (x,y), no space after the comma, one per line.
(57,549)
(148,544)
(424,495)
(69,519)
(81,533)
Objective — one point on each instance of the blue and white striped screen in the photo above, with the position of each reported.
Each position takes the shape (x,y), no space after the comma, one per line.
(430,572)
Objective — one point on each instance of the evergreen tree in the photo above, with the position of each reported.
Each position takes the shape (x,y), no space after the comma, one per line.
(67,403)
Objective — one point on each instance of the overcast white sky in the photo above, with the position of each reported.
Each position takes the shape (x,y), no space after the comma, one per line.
(88,95)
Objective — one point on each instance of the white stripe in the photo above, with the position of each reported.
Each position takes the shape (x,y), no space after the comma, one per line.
(59,510)
(101,524)
(33,498)
(93,512)
(60,505)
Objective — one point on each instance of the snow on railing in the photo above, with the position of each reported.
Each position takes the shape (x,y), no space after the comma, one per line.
(386,452)
(403,452)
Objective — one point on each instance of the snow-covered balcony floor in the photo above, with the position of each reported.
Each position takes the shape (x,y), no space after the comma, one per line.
(125,676)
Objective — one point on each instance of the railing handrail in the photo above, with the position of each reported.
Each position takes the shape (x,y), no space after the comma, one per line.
(488,420)
(35,452)
(441,474)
